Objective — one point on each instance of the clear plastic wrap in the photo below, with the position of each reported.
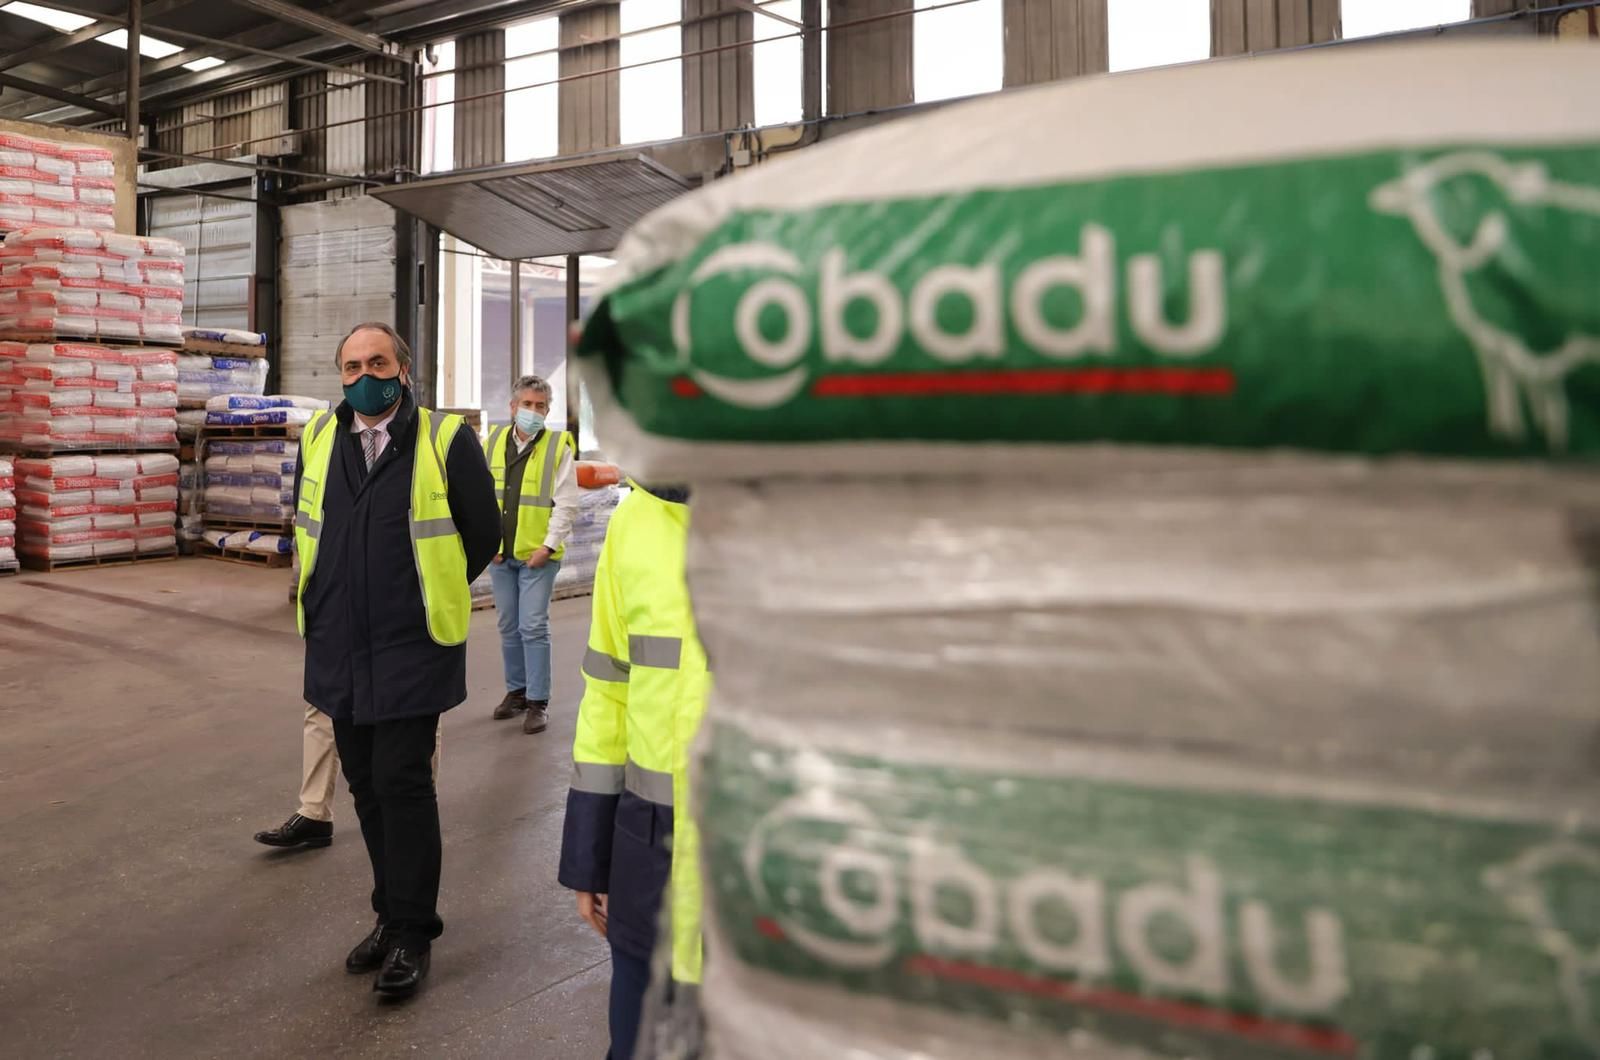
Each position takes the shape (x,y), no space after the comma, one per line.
(1186,756)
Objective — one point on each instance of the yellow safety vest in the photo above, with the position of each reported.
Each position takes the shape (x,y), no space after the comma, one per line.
(646,686)
(441,558)
(538,486)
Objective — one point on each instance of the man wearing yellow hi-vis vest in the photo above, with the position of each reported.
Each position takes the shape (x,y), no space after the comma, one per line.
(629,841)
(536,478)
(395,514)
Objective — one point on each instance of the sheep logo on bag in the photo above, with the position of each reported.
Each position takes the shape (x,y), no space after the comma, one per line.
(1513,373)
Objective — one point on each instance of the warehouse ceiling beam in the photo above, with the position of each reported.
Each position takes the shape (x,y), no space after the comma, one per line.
(93,31)
(274,36)
(60,95)
(751,5)
(329,27)
(285,57)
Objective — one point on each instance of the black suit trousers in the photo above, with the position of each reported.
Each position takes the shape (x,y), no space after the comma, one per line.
(389,769)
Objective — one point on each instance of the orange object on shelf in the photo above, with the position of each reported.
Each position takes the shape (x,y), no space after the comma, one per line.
(592,474)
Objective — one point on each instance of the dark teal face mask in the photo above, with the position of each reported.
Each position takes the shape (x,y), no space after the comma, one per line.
(372,396)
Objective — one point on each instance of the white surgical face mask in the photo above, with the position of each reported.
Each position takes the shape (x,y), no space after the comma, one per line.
(529,421)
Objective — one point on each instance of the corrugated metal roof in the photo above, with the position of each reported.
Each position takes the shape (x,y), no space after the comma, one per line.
(541,209)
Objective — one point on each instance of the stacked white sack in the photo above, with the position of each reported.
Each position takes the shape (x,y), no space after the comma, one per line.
(588,535)
(8,514)
(1115,732)
(1172,760)
(202,377)
(79,283)
(82,507)
(250,479)
(278,410)
(73,395)
(47,182)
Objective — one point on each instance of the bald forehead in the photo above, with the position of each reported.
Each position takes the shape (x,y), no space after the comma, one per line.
(368,341)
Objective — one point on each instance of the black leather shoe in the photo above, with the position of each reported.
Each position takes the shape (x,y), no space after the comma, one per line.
(298,831)
(514,703)
(370,952)
(537,719)
(403,972)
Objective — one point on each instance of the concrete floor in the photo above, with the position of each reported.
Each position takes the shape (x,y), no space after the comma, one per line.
(149,725)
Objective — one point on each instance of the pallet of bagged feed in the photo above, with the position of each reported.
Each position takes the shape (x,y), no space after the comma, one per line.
(8,517)
(225,342)
(252,547)
(83,510)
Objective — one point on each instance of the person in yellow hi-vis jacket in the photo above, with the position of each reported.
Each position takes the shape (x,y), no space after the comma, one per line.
(629,837)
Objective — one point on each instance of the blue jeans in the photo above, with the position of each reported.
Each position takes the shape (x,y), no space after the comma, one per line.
(522,598)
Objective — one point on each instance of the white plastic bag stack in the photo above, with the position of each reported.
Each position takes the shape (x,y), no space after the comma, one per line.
(86,284)
(249,541)
(1099,670)
(588,534)
(83,507)
(246,410)
(68,395)
(202,377)
(46,182)
(250,479)
(8,514)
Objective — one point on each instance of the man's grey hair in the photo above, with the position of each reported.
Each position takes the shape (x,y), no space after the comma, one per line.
(402,352)
(536,383)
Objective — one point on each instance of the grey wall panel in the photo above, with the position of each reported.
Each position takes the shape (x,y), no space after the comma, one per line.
(1239,27)
(591,110)
(308,110)
(869,65)
(390,135)
(1050,39)
(718,92)
(480,124)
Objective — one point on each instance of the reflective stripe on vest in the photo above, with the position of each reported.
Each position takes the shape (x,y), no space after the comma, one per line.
(537,499)
(437,552)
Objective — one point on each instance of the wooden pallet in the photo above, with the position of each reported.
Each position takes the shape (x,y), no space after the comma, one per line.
(482,603)
(49,566)
(291,431)
(7,572)
(223,349)
(572,592)
(284,527)
(88,340)
(40,452)
(269,560)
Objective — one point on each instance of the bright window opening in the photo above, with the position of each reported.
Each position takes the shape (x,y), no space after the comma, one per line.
(778,59)
(1366,18)
(439,122)
(533,115)
(1146,33)
(652,96)
(957,50)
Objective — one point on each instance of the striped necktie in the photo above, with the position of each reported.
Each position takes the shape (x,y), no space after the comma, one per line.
(369,445)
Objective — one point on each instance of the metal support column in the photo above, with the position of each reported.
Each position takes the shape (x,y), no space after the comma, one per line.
(516,325)
(811,71)
(135,28)
(574,395)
